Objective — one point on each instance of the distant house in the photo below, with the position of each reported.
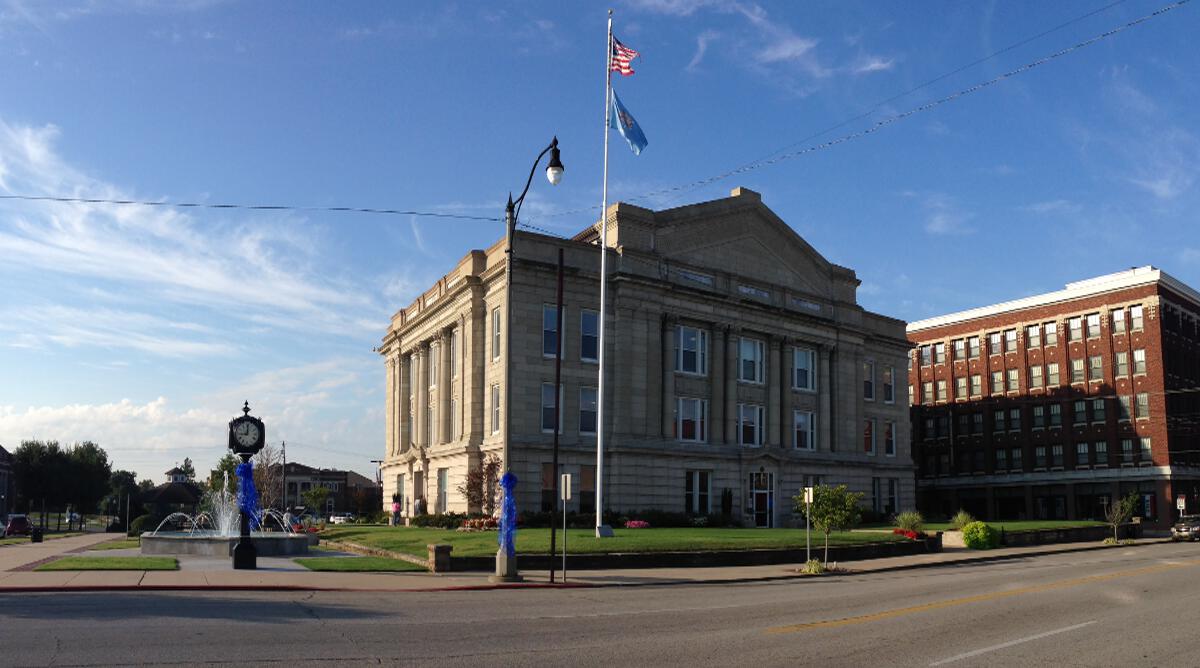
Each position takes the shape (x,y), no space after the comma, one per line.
(344,488)
(178,490)
(7,482)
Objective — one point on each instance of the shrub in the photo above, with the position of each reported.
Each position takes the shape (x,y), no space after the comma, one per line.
(961,519)
(143,523)
(440,521)
(911,520)
(980,536)
(1110,541)
(637,524)
(480,524)
(814,567)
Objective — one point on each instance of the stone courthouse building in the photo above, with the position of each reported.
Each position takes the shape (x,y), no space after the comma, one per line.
(740,369)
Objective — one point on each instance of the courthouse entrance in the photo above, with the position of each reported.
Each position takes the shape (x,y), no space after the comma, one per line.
(762,486)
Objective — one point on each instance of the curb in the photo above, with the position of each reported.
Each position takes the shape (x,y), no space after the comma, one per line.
(1007,557)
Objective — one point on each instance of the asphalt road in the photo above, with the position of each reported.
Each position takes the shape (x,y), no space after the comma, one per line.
(1120,607)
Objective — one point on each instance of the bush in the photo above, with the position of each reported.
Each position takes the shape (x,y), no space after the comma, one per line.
(961,519)
(440,521)
(143,523)
(911,520)
(980,536)
(814,567)
(1110,541)
(637,524)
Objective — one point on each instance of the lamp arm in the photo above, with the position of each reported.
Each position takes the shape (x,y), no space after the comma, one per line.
(529,181)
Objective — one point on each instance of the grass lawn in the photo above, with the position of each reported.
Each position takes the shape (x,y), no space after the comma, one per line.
(413,540)
(16,540)
(358,565)
(112,564)
(122,544)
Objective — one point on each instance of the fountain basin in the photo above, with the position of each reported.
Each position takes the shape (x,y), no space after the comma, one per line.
(267,544)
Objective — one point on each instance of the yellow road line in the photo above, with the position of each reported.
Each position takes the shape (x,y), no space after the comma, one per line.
(978,598)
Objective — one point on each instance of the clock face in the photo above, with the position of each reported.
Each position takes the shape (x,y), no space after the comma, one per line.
(246,433)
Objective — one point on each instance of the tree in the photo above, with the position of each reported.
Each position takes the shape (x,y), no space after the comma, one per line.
(88,475)
(479,488)
(41,471)
(268,476)
(225,465)
(1119,512)
(314,498)
(189,471)
(122,485)
(832,509)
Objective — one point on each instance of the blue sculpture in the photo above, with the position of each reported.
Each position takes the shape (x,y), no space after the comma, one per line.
(508,515)
(247,496)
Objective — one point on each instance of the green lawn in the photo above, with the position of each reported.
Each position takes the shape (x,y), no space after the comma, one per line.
(359,565)
(15,540)
(122,544)
(112,564)
(413,540)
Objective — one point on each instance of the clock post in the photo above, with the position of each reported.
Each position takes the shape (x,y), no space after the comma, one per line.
(247,434)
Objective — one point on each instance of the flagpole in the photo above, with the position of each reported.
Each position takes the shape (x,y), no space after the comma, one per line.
(601,529)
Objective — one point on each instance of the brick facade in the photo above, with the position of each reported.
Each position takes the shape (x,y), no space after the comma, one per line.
(1083,401)
(716,274)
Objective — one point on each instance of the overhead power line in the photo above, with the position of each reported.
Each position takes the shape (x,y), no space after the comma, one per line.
(248,207)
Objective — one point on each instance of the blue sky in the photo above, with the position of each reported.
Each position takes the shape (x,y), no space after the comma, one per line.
(144,329)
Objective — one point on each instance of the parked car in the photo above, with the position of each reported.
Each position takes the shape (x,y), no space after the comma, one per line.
(1187,528)
(341,518)
(18,525)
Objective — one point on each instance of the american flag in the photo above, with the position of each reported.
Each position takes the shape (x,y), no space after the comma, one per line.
(621,55)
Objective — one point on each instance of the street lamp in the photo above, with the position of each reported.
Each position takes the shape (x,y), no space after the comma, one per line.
(506,562)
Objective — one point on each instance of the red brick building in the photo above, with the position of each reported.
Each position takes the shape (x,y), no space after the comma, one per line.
(1050,406)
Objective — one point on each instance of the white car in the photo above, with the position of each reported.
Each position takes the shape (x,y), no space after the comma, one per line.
(341,518)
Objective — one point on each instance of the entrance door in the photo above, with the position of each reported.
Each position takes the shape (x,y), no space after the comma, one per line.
(762,485)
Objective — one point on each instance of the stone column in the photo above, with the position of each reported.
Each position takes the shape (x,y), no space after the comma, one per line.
(445,387)
(404,402)
(421,359)
(771,365)
(390,400)
(716,372)
(668,376)
(826,429)
(731,386)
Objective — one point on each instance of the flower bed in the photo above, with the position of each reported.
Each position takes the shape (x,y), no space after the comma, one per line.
(480,524)
(637,524)
(913,535)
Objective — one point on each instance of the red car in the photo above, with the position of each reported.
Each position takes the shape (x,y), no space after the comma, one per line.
(18,525)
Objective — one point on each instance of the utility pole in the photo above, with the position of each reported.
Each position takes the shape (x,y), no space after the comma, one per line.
(283,475)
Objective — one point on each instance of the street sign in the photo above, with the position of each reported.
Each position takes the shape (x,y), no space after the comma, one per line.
(808,494)
(564,487)
(1181,503)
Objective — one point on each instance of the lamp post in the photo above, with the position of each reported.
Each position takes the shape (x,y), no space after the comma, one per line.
(506,562)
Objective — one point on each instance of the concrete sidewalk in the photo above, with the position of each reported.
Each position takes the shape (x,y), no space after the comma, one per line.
(21,555)
(220,576)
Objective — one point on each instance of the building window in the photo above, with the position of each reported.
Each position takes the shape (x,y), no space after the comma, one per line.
(496,333)
(1118,320)
(1101,453)
(1014,419)
(973,346)
(434,349)
(750,360)
(549,500)
(804,430)
(431,432)
(399,492)
(1141,407)
(587,488)
(1035,376)
(1010,340)
(1055,415)
(1039,457)
(1033,336)
(1081,455)
(1145,453)
(1075,329)
(453,353)
(869,381)
(997,382)
(960,387)
(495,408)
(1098,412)
(1124,407)
(927,388)
(1039,417)
(1051,330)
(1076,371)
(691,424)
(691,350)
(1095,368)
(1056,455)
(804,369)
(589,336)
(1015,460)
(750,424)
(1013,380)
(926,355)
(1052,374)
(941,390)
(1127,450)
(587,410)
(889,439)
(869,436)
(1135,317)
(1122,369)
(960,349)
(1001,460)
(697,491)
(998,420)
(1093,325)
(939,353)
(994,343)
(548,408)
(1139,362)
(443,487)
(1080,416)
(977,423)
(976,385)
(549,330)
(889,385)
(454,419)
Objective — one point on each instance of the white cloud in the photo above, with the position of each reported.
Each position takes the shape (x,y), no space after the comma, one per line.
(1054,206)
(943,215)
(868,64)
(702,42)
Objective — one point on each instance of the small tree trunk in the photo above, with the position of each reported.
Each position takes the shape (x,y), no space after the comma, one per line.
(826,549)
